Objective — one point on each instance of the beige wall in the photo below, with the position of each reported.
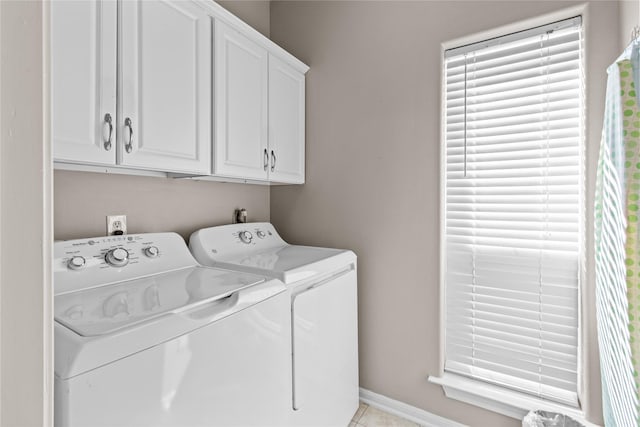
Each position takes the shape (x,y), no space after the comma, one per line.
(82,200)
(26,358)
(253,12)
(373,111)
(629,18)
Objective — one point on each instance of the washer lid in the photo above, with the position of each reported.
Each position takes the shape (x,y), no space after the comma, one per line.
(289,263)
(105,309)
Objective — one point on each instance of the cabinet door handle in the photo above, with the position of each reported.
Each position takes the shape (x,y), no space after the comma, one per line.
(129,145)
(266,160)
(108,120)
(273,161)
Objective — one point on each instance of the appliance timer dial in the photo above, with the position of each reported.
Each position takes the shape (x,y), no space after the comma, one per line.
(246,236)
(117,257)
(77,262)
(151,251)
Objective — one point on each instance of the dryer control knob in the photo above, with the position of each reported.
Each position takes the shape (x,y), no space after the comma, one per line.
(77,262)
(117,257)
(261,234)
(151,251)
(246,236)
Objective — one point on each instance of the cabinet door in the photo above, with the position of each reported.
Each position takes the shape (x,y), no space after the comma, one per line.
(165,120)
(83,80)
(241,105)
(286,122)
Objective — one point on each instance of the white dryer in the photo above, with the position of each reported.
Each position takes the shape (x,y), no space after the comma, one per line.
(322,283)
(146,337)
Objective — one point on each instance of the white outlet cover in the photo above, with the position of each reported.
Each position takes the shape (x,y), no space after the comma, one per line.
(115,223)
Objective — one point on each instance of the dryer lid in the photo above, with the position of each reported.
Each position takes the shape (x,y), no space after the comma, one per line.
(283,258)
(106,309)
(290,263)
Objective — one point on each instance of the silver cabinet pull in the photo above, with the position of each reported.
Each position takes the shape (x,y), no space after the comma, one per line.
(108,120)
(266,160)
(273,161)
(129,145)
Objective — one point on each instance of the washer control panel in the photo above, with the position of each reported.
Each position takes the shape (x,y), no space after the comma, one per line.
(83,263)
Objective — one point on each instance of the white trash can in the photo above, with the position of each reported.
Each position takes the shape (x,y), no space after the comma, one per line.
(549,419)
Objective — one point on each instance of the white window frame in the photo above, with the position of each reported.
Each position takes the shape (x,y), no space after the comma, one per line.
(478,393)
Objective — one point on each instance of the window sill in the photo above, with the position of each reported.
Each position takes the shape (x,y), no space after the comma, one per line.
(501,400)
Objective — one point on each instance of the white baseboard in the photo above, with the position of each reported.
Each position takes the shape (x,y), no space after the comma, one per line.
(411,413)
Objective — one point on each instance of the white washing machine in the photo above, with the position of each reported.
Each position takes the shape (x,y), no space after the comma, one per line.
(146,337)
(322,283)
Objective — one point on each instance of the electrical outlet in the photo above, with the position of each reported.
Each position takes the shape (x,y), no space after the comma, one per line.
(116,225)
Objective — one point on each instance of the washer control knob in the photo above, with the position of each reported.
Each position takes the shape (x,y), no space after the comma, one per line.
(246,236)
(261,234)
(77,262)
(151,251)
(117,257)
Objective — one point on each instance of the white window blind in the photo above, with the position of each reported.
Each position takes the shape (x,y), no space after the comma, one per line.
(513,203)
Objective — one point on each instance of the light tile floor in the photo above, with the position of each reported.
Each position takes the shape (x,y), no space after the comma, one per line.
(368,416)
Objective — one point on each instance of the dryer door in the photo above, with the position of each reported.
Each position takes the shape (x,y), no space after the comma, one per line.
(325,351)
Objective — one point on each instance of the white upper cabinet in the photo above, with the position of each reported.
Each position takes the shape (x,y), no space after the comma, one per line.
(173,86)
(165,98)
(259,111)
(83,81)
(241,88)
(286,122)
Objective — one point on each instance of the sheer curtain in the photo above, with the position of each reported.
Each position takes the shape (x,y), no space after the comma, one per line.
(617,244)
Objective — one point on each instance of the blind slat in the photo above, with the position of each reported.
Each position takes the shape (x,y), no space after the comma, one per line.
(515,96)
(559,48)
(478,332)
(561,359)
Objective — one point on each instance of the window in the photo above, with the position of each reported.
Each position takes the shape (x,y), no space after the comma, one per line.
(513,226)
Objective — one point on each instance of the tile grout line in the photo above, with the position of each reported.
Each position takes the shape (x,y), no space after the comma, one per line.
(368,416)
(357,417)
(364,411)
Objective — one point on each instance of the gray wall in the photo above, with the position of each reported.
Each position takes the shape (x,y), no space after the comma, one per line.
(629,18)
(82,199)
(373,112)
(26,318)
(253,12)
